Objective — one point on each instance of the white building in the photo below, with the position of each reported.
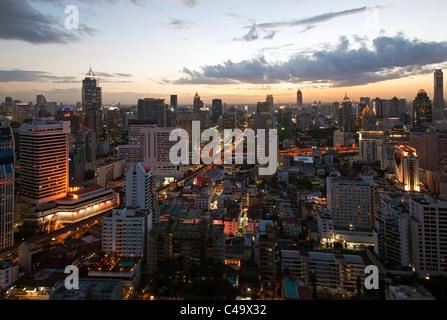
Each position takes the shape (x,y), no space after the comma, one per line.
(325,226)
(124,229)
(351,205)
(9,273)
(108,171)
(428,235)
(140,190)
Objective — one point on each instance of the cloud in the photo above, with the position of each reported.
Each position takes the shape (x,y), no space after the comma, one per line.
(18,75)
(20,21)
(312,20)
(250,36)
(384,59)
(190,3)
(179,24)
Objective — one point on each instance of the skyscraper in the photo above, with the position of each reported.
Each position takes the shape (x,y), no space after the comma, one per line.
(6,187)
(438,100)
(92,102)
(43,160)
(154,109)
(345,115)
(174,101)
(216,110)
(422,109)
(269,102)
(299,100)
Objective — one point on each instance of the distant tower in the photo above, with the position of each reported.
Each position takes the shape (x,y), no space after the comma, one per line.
(216,110)
(422,109)
(345,114)
(299,100)
(174,101)
(269,102)
(438,100)
(198,104)
(92,102)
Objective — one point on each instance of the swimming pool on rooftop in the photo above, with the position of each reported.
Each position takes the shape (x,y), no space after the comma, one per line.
(127,264)
(291,289)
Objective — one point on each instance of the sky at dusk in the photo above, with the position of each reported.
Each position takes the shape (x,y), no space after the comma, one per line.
(238,51)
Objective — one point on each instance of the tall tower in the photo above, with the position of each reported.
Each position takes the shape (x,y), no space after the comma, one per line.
(154,109)
(43,160)
(269,102)
(438,100)
(299,100)
(346,114)
(6,187)
(92,102)
(422,111)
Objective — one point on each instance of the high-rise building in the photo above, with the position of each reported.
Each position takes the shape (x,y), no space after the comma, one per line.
(428,234)
(174,101)
(124,230)
(92,102)
(269,101)
(197,103)
(345,115)
(6,187)
(438,100)
(107,172)
(299,100)
(153,109)
(378,107)
(394,108)
(43,160)
(351,203)
(422,111)
(113,123)
(406,167)
(140,190)
(216,110)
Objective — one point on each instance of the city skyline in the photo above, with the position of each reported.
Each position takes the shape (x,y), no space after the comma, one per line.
(232,51)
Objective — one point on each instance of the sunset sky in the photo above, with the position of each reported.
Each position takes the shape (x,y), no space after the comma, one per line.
(238,51)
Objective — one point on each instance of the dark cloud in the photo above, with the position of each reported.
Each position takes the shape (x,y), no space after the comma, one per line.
(386,58)
(18,75)
(20,21)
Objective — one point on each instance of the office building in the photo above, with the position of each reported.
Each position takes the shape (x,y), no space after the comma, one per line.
(378,107)
(92,103)
(30,256)
(422,112)
(7,181)
(174,101)
(43,160)
(432,151)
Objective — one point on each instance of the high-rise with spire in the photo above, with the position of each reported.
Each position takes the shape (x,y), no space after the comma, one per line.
(92,102)
(299,100)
